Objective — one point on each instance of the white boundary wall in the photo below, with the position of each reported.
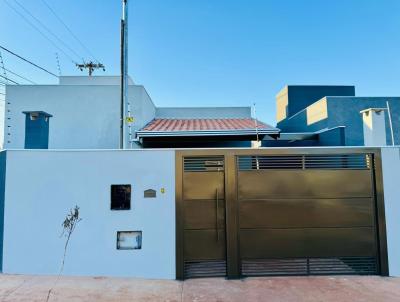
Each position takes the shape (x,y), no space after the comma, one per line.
(42,186)
(84,116)
(391,188)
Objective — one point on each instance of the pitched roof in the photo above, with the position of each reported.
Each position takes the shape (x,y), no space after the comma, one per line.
(218,126)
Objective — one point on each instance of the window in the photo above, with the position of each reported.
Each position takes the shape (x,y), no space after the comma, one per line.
(120,197)
(129,240)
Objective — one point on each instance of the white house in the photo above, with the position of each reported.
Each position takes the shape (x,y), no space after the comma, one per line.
(184,212)
(85,114)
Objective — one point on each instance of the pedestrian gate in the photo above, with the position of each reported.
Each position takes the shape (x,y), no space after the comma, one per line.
(289,212)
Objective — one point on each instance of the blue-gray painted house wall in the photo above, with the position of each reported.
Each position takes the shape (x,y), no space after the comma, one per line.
(345,111)
(37,131)
(332,137)
(328,137)
(3,156)
(301,96)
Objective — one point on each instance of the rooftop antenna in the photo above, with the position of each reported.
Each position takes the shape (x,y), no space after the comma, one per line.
(256,124)
(90,66)
(390,121)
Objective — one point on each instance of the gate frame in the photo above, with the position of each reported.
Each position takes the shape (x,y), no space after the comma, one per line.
(231,199)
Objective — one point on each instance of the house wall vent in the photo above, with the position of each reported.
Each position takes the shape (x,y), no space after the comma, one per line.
(322,161)
(201,164)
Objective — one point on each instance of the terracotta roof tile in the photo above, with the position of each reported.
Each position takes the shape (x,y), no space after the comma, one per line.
(172,125)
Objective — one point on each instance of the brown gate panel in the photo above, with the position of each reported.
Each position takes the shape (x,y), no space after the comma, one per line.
(251,212)
(307,243)
(306,213)
(305,208)
(203,208)
(197,245)
(202,185)
(259,184)
(201,214)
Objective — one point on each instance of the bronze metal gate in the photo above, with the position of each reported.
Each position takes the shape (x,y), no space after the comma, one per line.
(203,198)
(280,212)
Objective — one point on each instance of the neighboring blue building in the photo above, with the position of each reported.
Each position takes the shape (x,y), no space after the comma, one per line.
(332,119)
(294,98)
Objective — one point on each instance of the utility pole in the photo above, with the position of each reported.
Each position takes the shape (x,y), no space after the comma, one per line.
(90,66)
(124,70)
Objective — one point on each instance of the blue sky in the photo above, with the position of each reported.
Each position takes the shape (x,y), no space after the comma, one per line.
(220,52)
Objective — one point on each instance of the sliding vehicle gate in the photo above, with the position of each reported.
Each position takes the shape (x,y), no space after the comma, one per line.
(279,212)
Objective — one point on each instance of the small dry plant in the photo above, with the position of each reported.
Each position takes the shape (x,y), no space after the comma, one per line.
(69,225)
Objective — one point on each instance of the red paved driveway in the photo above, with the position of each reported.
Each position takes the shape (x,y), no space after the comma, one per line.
(18,288)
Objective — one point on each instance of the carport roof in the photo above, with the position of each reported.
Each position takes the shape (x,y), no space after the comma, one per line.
(206,127)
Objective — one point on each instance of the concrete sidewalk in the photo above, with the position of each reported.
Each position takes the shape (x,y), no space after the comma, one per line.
(19,288)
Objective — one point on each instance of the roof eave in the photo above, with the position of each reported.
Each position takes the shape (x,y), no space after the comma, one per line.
(273,131)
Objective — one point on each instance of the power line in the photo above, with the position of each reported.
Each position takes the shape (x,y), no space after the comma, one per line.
(48,30)
(26,60)
(8,79)
(35,27)
(69,30)
(20,76)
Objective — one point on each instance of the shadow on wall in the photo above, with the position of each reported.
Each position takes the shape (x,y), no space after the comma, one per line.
(3,155)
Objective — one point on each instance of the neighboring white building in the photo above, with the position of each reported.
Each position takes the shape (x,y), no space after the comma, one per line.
(86,112)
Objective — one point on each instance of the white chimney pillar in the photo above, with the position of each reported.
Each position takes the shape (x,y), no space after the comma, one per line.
(374,126)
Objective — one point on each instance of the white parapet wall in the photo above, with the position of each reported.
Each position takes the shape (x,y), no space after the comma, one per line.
(83,116)
(391,188)
(42,186)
